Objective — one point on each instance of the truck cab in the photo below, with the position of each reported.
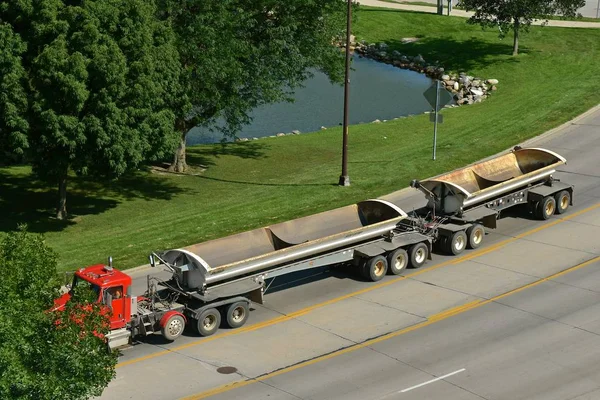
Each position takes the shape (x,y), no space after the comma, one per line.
(113,288)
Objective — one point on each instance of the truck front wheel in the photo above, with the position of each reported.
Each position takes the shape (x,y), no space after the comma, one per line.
(173,328)
(208,322)
(237,314)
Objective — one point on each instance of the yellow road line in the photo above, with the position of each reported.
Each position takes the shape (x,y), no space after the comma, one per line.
(306,310)
(431,320)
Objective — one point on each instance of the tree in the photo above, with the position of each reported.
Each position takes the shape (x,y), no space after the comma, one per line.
(13,99)
(239,54)
(47,355)
(101,80)
(517,14)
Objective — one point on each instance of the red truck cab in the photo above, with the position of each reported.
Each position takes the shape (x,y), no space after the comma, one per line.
(113,288)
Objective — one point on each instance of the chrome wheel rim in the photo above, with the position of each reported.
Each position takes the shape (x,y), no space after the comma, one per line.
(420,255)
(400,262)
(478,236)
(209,322)
(175,327)
(564,202)
(459,243)
(549,208)
(379,268)
(238,314)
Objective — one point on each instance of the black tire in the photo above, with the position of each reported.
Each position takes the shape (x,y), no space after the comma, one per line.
(375,268)
(237,314)
(546,208)
(208,322)
(397,261)
(440,244)
(475,235)
(563,200)
(418,254)
(457,243)
(173,327)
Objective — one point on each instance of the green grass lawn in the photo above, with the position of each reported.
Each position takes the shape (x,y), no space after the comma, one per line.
(251,184)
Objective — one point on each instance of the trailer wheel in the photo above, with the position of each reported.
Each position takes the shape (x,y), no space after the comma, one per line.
(397,261)
(457,242)
(418,255)
(375,268)
(546,207)
(475,234)
(174,327)
(237,314)
(208,322)
(563,199)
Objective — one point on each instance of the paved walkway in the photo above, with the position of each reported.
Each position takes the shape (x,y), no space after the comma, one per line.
(465,14)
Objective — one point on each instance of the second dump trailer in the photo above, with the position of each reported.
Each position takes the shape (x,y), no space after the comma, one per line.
(468,199)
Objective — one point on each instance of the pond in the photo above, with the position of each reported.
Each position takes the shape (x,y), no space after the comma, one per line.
(377,91)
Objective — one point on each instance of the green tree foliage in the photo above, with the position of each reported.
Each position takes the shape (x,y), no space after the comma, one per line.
(102,78)
(13,99)
(239,54)
(517,14)
(47,354)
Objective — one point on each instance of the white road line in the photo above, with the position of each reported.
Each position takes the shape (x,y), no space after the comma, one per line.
(433,380)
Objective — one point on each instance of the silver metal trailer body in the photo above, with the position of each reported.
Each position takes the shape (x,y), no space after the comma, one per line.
(215,278)
(463,201)
(245,253)
(471,186)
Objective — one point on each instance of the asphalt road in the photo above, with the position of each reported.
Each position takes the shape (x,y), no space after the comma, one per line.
(333,336)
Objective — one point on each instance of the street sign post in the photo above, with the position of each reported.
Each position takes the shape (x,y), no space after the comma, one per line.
(438,97)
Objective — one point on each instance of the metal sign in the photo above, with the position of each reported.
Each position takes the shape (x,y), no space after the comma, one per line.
(438,97)
(431,95)
(433,116)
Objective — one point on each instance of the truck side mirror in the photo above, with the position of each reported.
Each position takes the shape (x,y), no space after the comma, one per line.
(415,184)
(152,262)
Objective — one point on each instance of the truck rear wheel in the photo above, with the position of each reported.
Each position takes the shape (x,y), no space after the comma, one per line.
(475,235)
(208,322)
(397,261)
(457,242)
(237,314)
(418,255)
(563,200)
(546,208)
(375,268)
(174,327)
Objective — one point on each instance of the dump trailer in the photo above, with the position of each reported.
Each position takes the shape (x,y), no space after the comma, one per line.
(214,282)
(464,202)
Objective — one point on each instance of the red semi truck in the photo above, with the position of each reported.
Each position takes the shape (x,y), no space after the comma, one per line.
(217,280)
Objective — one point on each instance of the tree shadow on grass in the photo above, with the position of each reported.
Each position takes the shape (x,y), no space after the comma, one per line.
(205,155)
(27,200)
(457,54)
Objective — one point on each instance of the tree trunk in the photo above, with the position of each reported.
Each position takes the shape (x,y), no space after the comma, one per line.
(179,164)
(61,209)
(516,41)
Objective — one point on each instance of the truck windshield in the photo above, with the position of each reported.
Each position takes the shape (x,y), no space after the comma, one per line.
(80,283)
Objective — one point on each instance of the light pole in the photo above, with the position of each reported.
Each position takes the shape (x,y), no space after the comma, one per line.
(598,10)
(344,178)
